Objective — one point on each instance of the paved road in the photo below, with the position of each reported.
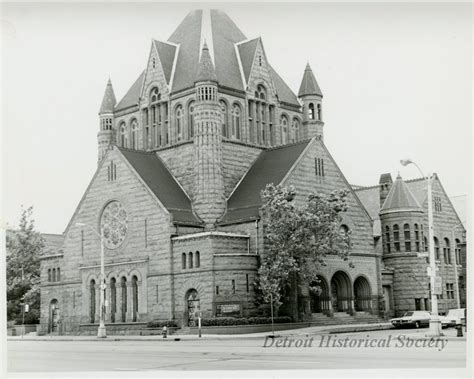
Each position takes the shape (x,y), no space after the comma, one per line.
(242,353)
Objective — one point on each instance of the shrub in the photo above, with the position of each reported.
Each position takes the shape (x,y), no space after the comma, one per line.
(160,324)
(229,321)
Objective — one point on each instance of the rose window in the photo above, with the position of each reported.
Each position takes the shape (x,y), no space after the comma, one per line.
(114,224)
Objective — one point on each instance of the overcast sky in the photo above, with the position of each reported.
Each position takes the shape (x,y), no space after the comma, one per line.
(396,80)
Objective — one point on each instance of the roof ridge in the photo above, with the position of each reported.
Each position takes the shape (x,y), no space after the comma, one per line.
(288,145)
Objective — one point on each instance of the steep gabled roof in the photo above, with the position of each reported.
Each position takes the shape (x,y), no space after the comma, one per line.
(108,101)
(166,52)
(309,85)
(271,166)
(247,51)
(400,198)
(131,97)
(285,94)
(159,180)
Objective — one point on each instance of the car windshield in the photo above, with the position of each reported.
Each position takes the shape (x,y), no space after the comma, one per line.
(408,314)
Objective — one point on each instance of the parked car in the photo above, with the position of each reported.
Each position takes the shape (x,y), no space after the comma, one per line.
(415,319)
(453,317)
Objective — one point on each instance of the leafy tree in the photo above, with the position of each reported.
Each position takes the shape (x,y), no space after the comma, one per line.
(297,239)
(24,247)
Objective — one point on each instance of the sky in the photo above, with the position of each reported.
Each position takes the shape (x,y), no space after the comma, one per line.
(396,80)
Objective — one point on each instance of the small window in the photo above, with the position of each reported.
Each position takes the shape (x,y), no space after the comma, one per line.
(58,275)
(54,275)
(190,260)
(407,237)
(417,238)
(457,251)
(233,286)
(183,261)
(49,275)
(197,257)
(247,286)
(396,237)
(436,244)
(437,204)
(450,290)
(217,290)
(447,251)
(259,60)
(154,62)
(320,116)
(311,111)
(387,239)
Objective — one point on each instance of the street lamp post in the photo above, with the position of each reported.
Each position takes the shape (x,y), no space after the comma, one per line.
(435,322)
(101,332)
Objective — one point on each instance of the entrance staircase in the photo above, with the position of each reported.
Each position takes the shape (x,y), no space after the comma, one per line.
(341,318)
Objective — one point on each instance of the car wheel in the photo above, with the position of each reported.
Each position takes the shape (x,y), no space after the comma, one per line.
(417,324)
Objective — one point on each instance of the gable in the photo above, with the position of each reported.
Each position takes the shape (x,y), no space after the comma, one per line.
(154,74)
(247,56)
(133,94)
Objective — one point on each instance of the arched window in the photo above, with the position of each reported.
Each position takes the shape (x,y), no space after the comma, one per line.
(284,129)
(319,112)
(311,111)
(236,121)
(447,251)
(54,274)
(426,247)
(190,260)
(261,93)
(457,251)
(396,238)
(387,239)
(183,260)
(224,120)
(407,237)
(134,135)
(417,238)
(436,246)
(134,298)
(49,274)
(92,301)
(191,119)
(123,135)
(58,275)
(123,286)
(179,122)
(113,299)
(154,95)
(197,258)
(296,130)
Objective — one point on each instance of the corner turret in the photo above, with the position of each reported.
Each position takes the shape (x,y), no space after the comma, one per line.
(311,96)
(105,136)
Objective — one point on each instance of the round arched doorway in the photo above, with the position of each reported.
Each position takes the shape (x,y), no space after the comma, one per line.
(320,297)
(362,294)
(193,307)
(54,316)
(341,292)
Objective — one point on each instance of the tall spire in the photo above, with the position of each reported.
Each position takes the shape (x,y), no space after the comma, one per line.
(309,85)
(108,101)
(206,71)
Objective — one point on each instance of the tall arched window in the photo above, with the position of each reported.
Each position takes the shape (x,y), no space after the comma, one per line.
(320,116)
(54,274)
(407,237)
(134,135)
(179,122)
(457,251)
(123,135)
(387,239)
(191,119)
(123,300)
(311,111)
(197,257)
(396,237)
(155,112)
(134,298)
(113,299)
(426,247)
(191,263)
(58,275)
(92,301)
(284,129)
(436,246)
(296,131)
(49,274)
(417,238)
(447,251)
(236,121)
(183,261)
(224,119)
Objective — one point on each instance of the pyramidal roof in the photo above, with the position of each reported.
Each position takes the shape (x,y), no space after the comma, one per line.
(206,72)
(309,85)
(400,198)
(108,101)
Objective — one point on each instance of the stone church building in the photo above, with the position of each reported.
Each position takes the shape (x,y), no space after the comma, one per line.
(182,158)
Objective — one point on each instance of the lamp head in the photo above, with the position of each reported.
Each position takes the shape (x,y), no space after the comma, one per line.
(405,162)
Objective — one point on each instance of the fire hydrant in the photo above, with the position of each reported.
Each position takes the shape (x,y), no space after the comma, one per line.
(164,332)
(459,329)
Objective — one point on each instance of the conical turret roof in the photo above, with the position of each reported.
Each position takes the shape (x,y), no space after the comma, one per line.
(309,85)
(108,101)
(206,71)
(400,198)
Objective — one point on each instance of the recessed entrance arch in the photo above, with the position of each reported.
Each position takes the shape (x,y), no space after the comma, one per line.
(320,299)
(193,306)
(341,292)
(54,316)
(362,294)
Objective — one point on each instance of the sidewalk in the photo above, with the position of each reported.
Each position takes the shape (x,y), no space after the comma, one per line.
(303,332)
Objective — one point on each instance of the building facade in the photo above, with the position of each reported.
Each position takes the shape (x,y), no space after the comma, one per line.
(182,158)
